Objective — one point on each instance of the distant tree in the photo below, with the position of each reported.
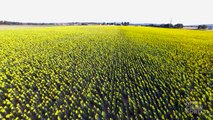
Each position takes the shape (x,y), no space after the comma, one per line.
(179,25)
(202,27)
(151,25)
(118,24)
(84,24)
(166,25)
(125,23)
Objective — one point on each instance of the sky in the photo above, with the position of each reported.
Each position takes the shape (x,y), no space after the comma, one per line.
(135,11)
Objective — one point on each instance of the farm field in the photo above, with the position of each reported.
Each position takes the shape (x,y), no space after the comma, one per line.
(105,72)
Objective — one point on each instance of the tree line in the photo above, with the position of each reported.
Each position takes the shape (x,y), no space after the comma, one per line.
(169,25)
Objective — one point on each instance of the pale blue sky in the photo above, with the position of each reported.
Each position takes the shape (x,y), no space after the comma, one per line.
(137,11)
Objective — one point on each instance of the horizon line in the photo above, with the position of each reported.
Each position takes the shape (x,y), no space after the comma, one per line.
(99,22)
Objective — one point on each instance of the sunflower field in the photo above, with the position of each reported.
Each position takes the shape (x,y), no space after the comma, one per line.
(105,72)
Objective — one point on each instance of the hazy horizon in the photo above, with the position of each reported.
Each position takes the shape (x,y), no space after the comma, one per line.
(133,11)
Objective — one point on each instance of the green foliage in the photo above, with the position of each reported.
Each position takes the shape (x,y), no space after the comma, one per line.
(92,72)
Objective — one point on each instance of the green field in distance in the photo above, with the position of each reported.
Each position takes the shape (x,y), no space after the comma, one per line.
(105,72)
